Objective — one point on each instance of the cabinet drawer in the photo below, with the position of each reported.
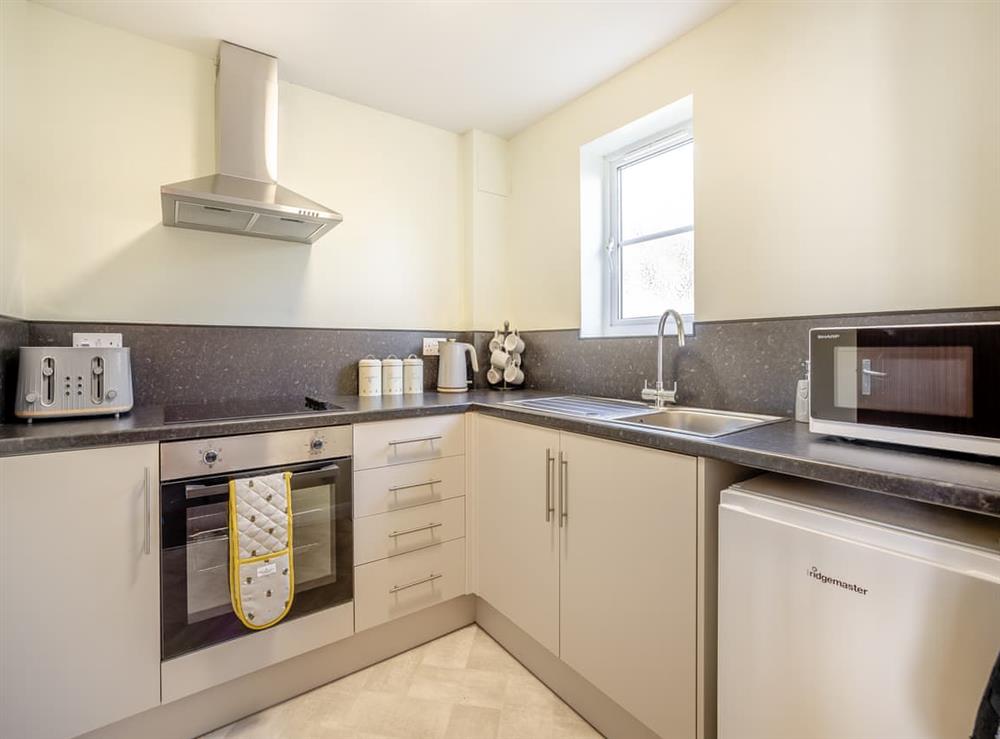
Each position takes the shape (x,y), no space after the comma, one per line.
(408,440)
(408,485)
(394,587)
(398,532)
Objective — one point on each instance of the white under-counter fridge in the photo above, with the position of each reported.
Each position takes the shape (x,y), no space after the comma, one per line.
(852,615)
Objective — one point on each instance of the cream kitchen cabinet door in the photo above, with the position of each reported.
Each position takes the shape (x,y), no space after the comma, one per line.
(79,586)
(628,565)
(518,532)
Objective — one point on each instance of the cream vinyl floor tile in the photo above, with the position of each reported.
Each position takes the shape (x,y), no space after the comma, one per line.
(461,686)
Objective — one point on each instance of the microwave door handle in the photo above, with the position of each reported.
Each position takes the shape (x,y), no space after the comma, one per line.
(867,373)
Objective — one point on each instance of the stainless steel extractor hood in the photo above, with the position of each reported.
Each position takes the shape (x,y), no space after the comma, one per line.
(245,197)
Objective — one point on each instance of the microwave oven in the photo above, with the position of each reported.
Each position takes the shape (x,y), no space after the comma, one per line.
(935,386)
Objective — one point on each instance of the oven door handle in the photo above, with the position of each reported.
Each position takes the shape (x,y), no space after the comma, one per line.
(192,492)
(330,472)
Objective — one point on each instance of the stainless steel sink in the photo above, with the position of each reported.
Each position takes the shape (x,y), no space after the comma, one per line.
(697,421)
(692,421)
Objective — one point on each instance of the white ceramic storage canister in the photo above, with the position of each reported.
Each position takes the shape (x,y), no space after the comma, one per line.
(369,377)
(392,375)
(413,375)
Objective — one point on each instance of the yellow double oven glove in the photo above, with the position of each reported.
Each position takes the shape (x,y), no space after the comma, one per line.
(261,570)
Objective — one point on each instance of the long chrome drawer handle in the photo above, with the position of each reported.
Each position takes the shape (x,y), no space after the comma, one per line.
(428,527)
(412,485)
(415,441)
(430,578)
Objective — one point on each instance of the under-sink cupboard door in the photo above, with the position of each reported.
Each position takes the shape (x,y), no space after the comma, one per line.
(518,536)
(79,584)
(628,613)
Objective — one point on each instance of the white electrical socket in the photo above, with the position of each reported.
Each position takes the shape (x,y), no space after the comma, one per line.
(431,347)
(97,340)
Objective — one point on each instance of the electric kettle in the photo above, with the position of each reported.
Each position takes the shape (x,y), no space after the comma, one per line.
(452,376)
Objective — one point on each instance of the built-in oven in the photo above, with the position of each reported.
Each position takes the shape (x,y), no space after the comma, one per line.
(924,385)
(196,609)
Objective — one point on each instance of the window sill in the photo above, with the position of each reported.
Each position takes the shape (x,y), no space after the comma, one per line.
(637,331)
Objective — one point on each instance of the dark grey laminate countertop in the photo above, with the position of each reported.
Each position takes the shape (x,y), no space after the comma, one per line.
(970,483)
(146,424)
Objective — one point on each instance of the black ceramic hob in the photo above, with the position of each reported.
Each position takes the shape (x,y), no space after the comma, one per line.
(285,405)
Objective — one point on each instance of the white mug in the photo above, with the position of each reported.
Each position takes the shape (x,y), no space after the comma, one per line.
(495,342)
(513,343)
(513,375)
(493,376)
(500,359)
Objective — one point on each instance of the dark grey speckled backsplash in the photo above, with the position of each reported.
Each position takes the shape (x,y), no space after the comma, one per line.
(737,365)
(749,366)
(191,364)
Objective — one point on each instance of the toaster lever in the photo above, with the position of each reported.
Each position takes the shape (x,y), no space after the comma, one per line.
(48,380)
(97,380)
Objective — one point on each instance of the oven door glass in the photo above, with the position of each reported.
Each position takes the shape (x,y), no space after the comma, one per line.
(929,378)
(196,606)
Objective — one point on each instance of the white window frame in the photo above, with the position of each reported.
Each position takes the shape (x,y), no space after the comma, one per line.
(614,324)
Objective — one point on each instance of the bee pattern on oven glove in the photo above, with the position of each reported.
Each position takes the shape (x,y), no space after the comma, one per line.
(261,570)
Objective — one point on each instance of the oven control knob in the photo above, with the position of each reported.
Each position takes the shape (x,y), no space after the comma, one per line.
(317,445)
(210,457)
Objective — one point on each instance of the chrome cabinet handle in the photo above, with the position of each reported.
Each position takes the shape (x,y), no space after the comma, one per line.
(146,533)
(414,530)
(397,488)
(431,578)
(563,490)
(415,441)
(549,508)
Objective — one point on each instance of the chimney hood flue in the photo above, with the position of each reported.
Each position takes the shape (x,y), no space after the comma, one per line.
(245,197)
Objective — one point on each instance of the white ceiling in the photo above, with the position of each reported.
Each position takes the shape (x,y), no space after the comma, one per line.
(496,66)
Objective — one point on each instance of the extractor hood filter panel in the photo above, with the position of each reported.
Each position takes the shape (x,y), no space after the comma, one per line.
(291,229)
(194,215)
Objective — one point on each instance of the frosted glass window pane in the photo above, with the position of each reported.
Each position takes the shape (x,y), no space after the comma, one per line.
(657,193)
(657,275)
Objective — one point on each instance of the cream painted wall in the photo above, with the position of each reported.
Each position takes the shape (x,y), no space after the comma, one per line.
(12,23)
(487,187)
(847,159)
(106,117)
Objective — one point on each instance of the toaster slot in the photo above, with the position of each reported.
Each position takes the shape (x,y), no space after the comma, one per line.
(97,379)
(48,380)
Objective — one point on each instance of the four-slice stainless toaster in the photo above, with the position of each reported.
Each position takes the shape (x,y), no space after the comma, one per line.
(60,381)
